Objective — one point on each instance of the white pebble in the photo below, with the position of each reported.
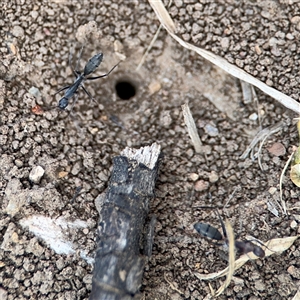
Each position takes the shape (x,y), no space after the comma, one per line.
(253,117)
(36,174)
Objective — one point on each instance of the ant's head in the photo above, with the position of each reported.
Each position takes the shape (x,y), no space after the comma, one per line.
(63,103)
(99,57)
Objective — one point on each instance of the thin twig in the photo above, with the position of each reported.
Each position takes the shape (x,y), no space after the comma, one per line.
(172,285)
(283,206)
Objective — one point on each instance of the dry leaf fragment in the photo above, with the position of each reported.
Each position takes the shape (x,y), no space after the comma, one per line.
(295,169)
(295,174)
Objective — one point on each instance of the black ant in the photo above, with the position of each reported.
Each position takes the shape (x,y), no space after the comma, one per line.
(89,68)
(242,247)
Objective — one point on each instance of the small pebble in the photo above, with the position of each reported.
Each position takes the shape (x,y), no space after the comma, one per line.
(253,117)
(36,174)
(213,177)
(211,130)
(154,87)
(62,174)
(201,185)
(3,294)
(225,43)
(194,176)
(294,224)
(277,149)
(295,272)
(35,92)
(17,31)
(272,190)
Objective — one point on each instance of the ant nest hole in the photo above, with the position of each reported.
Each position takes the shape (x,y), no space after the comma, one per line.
(125,89)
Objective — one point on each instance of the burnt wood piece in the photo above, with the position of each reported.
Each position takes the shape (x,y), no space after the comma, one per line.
(119,261)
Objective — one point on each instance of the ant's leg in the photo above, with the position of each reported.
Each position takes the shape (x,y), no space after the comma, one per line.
(88,93)
(75,99)
(62,89)
(101,76)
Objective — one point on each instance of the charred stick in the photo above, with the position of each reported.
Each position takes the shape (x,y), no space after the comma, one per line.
(119,261)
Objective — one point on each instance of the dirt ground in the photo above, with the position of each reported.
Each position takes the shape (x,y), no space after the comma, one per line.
(76,150)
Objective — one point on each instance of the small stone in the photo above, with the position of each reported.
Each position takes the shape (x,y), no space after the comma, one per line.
(266,14)
(277,149)
(60,264)
(35,92)
(253,117)
(3,294)
(62,174)
(213,177)
(259,285)
(295,272)
(272,190)
(258,50)
(295,20)
(211,130)
(36,174)
(34,14)
(178,3)
(39,63)
(190,153)
(165,119)
(293,224)
(18,31)
(16,196)
(15,237)
(225,43)
(201,185)
(194,176)
(154,87)
(76,168)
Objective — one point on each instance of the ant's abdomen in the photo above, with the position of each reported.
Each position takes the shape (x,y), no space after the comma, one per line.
(208,231)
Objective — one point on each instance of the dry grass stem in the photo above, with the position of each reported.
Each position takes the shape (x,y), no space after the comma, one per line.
(172,285)
(230,236)
(192,129)
(283,206)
